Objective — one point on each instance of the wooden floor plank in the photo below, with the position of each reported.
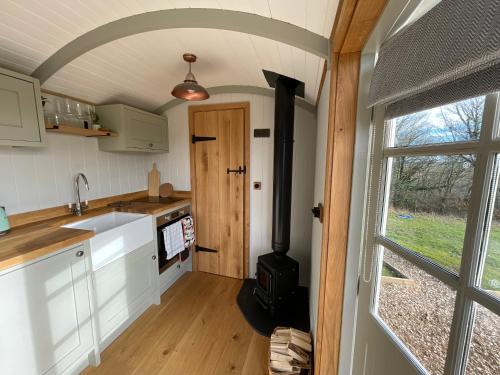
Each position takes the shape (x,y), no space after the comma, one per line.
(197,329)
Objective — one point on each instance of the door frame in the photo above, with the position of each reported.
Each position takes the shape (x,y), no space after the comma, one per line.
(354,22)
(192,109)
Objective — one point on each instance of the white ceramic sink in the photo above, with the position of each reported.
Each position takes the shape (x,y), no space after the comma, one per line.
(117,234)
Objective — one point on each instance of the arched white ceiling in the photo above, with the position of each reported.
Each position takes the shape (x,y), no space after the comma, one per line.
(140,70)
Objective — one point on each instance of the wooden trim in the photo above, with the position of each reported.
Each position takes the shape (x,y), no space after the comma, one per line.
(362,23)
(340,198)
(53,212)
(218,107)
(353,24)
(246,260)
(192,169)
(321,83)
(326,210)
(345,13)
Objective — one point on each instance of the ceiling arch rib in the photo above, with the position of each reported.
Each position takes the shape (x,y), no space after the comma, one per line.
(238,89)
(184,18)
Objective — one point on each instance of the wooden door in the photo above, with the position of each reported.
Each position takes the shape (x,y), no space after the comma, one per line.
(220,199)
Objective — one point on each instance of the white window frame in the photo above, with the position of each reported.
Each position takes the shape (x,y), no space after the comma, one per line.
(466,283)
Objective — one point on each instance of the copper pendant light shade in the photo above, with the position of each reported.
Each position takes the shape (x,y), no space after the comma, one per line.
(189,89)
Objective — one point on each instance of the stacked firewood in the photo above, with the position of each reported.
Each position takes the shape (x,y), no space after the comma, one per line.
(290,352)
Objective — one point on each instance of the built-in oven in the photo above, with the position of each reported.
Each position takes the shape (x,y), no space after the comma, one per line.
(163,221)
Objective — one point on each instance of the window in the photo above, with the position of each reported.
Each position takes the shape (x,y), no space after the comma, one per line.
(428,205)
(437,231)
(457,122)
(418,308)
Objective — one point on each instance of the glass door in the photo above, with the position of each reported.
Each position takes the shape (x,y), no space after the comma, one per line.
(429,296)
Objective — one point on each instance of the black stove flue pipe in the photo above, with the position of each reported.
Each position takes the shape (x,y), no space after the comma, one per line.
(284,110)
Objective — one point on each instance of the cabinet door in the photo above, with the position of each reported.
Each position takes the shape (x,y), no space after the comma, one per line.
(123,290)
(45,316)
(145,131)
(18,111)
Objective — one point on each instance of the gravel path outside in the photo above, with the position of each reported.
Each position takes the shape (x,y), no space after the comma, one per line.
(420,311)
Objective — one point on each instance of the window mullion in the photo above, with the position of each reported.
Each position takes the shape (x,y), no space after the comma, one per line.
(420,261)
(435,149)
(463,315)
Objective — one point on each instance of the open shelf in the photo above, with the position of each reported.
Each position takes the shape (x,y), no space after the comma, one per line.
(66,129)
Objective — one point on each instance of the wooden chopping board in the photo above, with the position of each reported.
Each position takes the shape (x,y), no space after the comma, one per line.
(154,182)
(166,190)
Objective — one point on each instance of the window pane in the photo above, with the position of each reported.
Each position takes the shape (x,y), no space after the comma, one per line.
(457,122)
(490,280)
(484,354)
(428,203)
(418,309)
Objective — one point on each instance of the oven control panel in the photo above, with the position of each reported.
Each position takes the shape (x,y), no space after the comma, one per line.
(163,219)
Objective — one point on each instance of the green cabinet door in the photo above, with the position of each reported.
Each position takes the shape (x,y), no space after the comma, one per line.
(20,122)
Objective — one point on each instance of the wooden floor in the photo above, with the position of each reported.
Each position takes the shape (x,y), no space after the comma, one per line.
(198,329)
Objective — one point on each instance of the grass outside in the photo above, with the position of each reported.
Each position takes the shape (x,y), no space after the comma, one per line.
(440,238)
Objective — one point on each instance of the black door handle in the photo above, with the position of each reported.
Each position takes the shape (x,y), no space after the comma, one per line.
(240,170)
(205,249)
(195,138)
(318,212)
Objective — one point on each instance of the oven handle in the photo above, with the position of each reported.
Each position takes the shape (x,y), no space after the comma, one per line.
(161,226)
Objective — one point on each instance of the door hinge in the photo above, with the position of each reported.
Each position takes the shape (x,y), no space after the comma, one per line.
(195,138)
(357,289)
(205,249)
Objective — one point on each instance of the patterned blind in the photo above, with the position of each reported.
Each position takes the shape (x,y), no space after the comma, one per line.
(449,54)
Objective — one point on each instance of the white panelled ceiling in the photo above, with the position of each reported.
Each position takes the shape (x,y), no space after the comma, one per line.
(142,69)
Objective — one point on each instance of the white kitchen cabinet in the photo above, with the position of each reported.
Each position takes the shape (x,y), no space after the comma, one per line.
(138,131)
(124,289)
(45,316)
(21,113)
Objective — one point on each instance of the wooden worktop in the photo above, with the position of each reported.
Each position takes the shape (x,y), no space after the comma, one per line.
(33,240)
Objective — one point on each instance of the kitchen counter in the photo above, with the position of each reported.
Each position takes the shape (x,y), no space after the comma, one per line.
(31,241)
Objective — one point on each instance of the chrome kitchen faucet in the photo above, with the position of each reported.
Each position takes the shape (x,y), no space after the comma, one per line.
(79,207)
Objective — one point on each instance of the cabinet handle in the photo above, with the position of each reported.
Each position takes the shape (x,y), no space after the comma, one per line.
(150,145)
(79,253)
(154,257)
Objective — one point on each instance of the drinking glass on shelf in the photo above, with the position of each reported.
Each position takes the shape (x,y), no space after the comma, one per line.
(57,119)
(79,110)
(69,116)
(91,111)
(57,106)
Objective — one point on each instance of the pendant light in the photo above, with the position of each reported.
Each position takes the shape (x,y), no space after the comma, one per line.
(189,89)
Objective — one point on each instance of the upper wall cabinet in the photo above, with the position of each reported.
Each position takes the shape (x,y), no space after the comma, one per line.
(21,113)
(138,130)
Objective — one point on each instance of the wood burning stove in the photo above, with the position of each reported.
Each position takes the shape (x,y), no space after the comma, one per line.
(277,273)
(277,282)
(275,298)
